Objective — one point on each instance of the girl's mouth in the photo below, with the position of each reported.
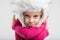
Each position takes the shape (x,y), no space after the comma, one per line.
(31,25)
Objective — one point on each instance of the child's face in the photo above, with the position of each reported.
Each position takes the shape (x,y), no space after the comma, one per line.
(31,18)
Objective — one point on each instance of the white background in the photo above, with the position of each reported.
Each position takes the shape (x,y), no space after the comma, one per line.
(6,33)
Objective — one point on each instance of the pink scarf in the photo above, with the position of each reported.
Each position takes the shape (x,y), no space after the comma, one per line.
(33,33)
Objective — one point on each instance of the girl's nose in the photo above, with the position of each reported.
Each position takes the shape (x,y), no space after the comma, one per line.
(31,20)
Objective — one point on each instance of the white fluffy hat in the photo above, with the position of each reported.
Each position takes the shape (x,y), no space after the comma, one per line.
(20,6)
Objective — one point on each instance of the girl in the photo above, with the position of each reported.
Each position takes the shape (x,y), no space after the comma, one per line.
(31,19)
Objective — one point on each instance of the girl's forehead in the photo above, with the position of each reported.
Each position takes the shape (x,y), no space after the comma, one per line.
(32,12)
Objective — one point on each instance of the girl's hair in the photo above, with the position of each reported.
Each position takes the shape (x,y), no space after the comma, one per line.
(43,13)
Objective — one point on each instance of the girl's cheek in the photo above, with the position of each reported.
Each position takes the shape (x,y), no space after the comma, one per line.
(26,19)
(36,19)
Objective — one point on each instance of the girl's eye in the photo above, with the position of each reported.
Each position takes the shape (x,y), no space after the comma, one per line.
(36,16)
(26,16)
